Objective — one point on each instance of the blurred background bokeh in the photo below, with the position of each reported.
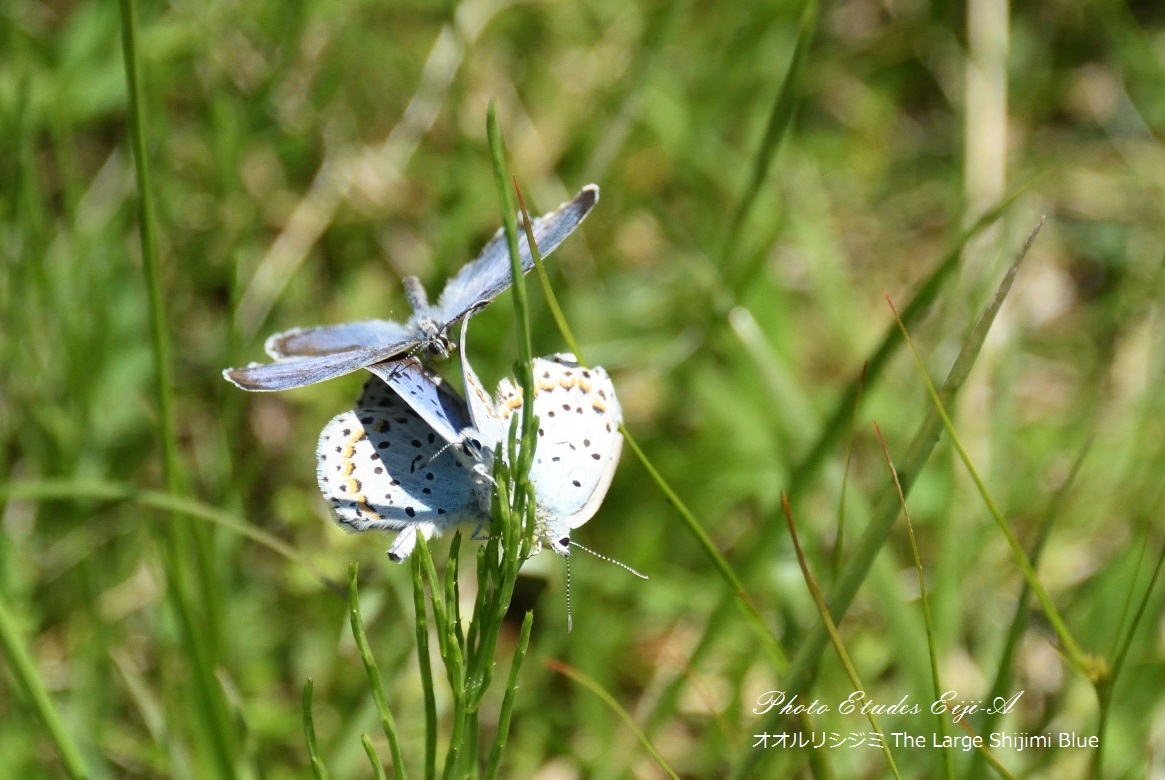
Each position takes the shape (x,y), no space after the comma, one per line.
(305,156)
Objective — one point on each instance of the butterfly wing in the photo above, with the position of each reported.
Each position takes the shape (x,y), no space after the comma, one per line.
(490,427)
(488,276)
(579,444)
(427,394)
(303,371)
(342,337)
(379,467)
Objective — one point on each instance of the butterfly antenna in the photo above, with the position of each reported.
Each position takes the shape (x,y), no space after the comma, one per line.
(601,556)
(461,447)
(569,622)
(413,352)
(438,453)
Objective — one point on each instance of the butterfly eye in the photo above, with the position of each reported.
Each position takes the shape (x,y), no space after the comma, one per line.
(562,545)
(440,346)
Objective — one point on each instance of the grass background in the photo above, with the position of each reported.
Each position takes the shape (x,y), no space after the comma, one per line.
(307,155)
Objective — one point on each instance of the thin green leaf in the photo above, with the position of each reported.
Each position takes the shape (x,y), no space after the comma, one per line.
(1106,686)
(495,754)
(609,700)
(862,555)
(318,770)
(387,723)
(834,637)
(81,490)
(1094,668)
(373,758)
(736,587)
(924,598)
(198,635)
(544,280)
(1019,620)
(426,668)
(28,681)
(780,120)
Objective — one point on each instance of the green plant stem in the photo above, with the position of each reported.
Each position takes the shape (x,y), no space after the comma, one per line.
(28,681)
(149,246)
(426,668)
(521,308)
(495,754)
(386,720)
(318,770)
(198,636)
(544,280)
(768,641)
(451,652)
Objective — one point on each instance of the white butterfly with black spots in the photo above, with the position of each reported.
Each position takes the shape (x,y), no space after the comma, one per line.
(382,466)
(579,442)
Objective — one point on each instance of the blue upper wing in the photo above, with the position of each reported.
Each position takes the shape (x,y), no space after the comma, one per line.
(305,356)
(299,372)
(428,395)
(344,337)
(489,275)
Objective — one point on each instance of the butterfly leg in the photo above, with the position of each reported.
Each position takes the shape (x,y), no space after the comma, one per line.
(402,548)
(406,540)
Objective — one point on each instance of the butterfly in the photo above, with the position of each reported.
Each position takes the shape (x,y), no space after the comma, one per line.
(385,466)
(304,356)
(579,442)
(414,458)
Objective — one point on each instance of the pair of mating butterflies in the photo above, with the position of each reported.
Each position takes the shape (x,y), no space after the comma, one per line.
(413,456)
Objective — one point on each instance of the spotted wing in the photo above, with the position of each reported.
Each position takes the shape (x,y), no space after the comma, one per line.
(379,468)
(579,442)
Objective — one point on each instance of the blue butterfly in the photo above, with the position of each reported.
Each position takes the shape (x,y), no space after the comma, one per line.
(304,356)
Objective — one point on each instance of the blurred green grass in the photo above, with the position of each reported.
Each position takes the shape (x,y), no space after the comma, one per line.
(664,107)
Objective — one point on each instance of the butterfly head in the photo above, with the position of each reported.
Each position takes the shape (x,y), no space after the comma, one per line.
(560,545)
(433,338)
